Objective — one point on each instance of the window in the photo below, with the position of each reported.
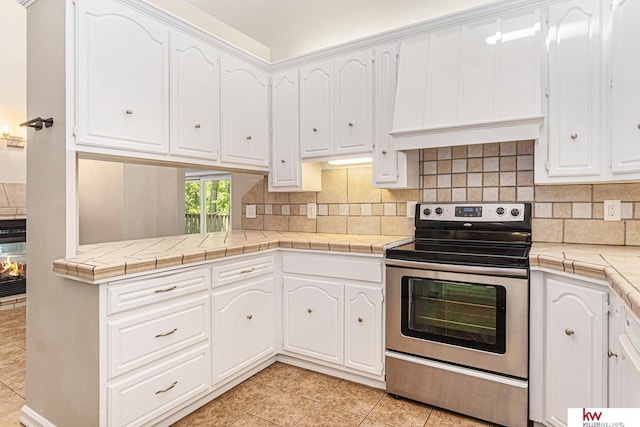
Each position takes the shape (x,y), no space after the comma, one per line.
(207,203)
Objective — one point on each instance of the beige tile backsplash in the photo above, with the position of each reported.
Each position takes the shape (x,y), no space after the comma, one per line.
(476,173)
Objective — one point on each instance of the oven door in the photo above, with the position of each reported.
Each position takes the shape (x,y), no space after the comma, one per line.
(469,319)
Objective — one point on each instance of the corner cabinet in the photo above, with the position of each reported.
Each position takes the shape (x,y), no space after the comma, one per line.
(122,78)
(244,113)
(569,345)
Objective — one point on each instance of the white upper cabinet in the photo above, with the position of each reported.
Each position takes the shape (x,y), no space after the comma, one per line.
(573,125)
(625,86)
(353,103)
(195,98)
(391,168)
(245,113)
(316,108)
(122,78)
(475,83)
(336,106)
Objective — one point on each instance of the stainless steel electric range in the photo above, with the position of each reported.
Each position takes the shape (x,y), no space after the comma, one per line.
(457,305)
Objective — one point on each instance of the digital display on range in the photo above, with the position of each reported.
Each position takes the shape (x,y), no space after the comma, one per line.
(469,211)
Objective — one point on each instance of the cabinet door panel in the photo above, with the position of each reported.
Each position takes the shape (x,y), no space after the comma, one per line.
(285,170)
(243,325)
(195,99)
(123,86)
(245,114)
(353,109)
(363,328)
(313,318)
(625,113)
(574,88)
(443,79)
(316,107)
(575,353)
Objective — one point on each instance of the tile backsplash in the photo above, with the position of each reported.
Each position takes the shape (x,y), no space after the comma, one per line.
(13,201)
(475,173)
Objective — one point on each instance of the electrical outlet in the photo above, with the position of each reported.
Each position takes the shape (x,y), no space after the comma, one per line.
(612,210)
(411,209)
(312,210)
(251,211)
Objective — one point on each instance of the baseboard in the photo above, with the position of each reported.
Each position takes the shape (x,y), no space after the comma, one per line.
(31,418)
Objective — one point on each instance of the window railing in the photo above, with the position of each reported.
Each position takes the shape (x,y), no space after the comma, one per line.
(214,223)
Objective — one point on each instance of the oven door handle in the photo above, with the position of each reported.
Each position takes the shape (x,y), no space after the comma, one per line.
(454,268)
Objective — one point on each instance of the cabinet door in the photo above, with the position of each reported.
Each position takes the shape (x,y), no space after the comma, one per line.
(243,327)
(313,318)
(316,109)
(353,103)
(363,328)
(285,161)
(245,114)
(575,357)
(625,113)
(122,78)
(195,99)
(574,88)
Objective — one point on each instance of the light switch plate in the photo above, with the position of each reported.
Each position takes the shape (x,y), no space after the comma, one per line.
(612,210)
(312,210)
(251,211)
(411,209)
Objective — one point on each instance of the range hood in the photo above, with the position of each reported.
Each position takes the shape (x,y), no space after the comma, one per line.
(472,84)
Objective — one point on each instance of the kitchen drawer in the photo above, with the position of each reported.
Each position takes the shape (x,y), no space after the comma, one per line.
(339,266)
(227,273)
(142,398)
(137,340)
(134,293)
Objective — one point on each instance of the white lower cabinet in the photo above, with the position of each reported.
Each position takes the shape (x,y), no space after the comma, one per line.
(243,326)
(332,310)
(624,358)
(568,362)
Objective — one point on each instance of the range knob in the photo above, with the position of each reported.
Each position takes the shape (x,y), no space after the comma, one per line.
(439,211)
(500,211)
(426,211)
(515,212)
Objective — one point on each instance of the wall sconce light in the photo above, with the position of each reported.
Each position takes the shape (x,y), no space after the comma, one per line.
(12,141)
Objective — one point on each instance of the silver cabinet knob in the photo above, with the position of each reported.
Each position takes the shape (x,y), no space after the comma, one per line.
(569,331)
(574,136)
(129,111)
(350,124)
(283,161)
(315,130)
(638,125)
(360,319)
(250,316)
(384,151)
(611,354)
(249,138)
(198,125)
(309,310)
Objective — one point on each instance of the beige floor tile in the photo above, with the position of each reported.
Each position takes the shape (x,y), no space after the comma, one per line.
(278,375)
(212,414)
(356,398)
(401,412)
(284,408)
(327,415)
(442,418)
(249,420)
(313,385)
(369,422)
(247,395)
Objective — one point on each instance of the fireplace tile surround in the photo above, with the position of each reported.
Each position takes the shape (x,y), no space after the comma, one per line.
(13,200)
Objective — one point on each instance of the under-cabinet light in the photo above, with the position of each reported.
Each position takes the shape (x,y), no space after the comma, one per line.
(343,162)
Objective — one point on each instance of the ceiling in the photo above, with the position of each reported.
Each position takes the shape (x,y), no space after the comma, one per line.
(294,27)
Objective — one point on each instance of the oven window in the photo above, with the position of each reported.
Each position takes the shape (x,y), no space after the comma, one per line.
(463,314)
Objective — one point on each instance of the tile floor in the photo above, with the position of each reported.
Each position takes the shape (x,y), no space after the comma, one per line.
(280,395)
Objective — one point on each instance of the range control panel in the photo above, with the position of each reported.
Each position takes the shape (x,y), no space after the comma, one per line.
(483,212)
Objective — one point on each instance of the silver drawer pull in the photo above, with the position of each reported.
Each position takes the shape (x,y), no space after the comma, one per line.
(250,316)
(309,310)
(574,136)
(129,111)
(249,138)
(384,151)
(159,291)
(350,124)
(164,390)
(569,331)
(198,125)
(164,334)
(247,270)
(360,319)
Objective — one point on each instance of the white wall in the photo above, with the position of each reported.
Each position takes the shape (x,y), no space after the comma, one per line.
(13,88)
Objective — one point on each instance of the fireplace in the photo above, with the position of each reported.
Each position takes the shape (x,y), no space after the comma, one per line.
(13,257)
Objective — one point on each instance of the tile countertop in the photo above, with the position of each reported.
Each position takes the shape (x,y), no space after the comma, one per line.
(98,262)
(618,265)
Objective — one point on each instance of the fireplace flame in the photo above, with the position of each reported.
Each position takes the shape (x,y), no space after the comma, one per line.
(10,267)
